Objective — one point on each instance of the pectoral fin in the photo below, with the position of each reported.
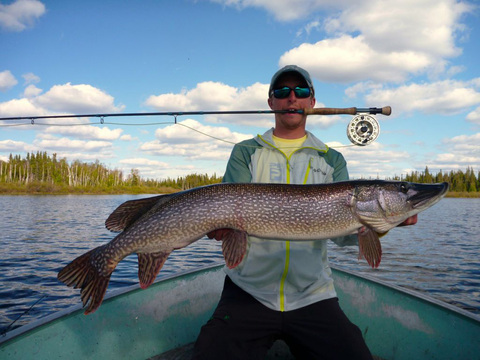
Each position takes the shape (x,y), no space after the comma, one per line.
(369,246)
(234,247)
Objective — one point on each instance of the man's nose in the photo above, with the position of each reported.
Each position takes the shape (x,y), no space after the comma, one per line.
(292,96)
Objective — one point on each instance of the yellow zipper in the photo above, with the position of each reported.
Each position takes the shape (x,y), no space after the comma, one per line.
(287,255)
(287,243)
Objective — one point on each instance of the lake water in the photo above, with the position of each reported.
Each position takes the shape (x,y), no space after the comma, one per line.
(40,234)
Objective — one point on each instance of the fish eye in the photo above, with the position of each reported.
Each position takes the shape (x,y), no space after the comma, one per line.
(404,188)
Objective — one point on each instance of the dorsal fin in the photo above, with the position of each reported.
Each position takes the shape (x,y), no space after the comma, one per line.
(130,211)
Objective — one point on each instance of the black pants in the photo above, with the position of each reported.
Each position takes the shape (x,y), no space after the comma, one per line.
(243,328)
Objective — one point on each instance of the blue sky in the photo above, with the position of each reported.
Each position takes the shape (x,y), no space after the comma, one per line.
(81,57)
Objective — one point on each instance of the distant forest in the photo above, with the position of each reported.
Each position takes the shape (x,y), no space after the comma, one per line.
(42,173)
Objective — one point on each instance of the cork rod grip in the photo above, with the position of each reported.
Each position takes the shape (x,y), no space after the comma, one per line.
(386,110)
(330,111)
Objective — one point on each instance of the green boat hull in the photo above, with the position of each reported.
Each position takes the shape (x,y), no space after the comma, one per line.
(140,324)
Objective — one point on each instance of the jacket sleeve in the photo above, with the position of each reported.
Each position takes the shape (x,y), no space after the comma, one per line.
(340,172)
(238,166)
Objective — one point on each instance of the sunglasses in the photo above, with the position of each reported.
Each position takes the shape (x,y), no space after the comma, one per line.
(284,92)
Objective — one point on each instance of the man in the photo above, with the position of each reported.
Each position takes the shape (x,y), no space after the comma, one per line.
(282,289)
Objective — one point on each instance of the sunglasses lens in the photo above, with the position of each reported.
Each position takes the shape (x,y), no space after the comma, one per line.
(302,92)
(284,92)
(281,93)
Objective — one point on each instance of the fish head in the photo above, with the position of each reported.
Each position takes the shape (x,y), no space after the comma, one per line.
(382,205)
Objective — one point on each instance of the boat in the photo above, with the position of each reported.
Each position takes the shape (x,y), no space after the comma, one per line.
(163,321)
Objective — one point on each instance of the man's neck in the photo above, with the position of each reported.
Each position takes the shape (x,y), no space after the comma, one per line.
(289,134)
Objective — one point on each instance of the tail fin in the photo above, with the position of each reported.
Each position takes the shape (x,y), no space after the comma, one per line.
(81,273)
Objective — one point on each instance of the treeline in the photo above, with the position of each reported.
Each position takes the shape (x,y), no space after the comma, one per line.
(459,181)
(39,172)
(41,168)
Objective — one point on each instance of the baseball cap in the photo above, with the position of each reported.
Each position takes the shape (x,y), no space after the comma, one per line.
(291,68)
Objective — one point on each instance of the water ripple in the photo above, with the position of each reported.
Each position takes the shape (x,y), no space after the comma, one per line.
(41,234)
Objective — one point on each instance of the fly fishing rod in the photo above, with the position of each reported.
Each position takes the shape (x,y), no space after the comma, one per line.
(387,110)
(362,130)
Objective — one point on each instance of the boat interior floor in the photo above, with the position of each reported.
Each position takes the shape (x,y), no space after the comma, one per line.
(278,351)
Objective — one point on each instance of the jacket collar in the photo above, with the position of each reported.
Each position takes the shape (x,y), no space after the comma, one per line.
(312,141)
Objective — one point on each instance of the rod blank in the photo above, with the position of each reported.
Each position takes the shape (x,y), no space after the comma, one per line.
(387,110)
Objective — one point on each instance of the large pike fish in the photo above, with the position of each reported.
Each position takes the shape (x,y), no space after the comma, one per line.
(154,227)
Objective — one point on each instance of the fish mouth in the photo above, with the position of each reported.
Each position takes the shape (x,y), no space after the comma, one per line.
(425,195)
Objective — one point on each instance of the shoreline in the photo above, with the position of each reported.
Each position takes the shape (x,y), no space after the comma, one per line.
(147,190)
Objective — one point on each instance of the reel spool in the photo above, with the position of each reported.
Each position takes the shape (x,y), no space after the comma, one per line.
(363,129)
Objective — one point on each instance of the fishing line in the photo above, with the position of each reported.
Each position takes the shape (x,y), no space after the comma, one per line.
(362,130)
(88,124)
(24,313)
(143,124)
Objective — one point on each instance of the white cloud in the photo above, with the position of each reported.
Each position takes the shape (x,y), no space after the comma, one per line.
(207,95)
(192,131)
(464,151)
(54,144)
(127,137)
(7,80)
(143,162)
(380,40)
(474,116)
(285,10)
(421,26)
(32,91)
(154,169)
(348,59)
(361,88)
(77,99)
(20,14)
(192,140)
(20,107)
(13,146)
(372,160)
(216,96)
(65,99)
(443,97)
(86,132)
(307,29)
(31,78)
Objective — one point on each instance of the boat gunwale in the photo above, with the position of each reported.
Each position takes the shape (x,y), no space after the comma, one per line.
(119,292)
(412,293)
(79,307)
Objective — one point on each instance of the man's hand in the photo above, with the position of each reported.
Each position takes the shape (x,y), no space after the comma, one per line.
(412,220)
(219,234)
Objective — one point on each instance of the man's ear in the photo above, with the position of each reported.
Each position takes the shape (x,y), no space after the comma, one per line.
(269,101)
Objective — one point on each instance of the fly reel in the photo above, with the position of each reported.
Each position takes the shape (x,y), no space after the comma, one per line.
(363,129)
